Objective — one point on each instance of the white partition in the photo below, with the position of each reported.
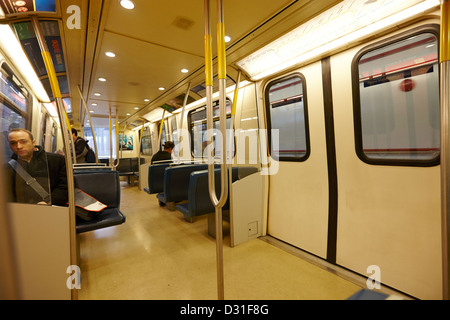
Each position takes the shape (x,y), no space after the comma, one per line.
(246,220)
(42,246)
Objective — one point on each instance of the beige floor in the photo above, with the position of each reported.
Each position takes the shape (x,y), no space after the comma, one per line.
(158,255)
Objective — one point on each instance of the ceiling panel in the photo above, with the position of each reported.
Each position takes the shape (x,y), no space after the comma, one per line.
(157,39)
(138,70)
(180,24)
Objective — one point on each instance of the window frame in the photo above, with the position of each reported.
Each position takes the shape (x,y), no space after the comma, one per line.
(357,117)
(306,115)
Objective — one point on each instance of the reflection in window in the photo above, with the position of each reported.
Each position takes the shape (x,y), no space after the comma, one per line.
(286,105)
(399,101)
(13,106)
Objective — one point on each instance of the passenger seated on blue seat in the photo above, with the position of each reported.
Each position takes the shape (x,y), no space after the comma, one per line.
(166,154)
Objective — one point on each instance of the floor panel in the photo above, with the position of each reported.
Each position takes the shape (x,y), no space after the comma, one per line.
(158,255)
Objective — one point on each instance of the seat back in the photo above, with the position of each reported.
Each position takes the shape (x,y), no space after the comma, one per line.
(199,201)
(156,177)
(176,181)
(102,185)
(198,198)
(125,166)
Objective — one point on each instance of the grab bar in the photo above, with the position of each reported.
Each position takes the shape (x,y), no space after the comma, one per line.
(90,122)
(217,202)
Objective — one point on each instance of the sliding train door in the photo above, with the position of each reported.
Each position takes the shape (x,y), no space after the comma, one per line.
(357,137)
(298,190)
(387,133)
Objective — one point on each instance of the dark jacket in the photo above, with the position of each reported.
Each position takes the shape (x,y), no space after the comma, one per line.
(161,155)
(46,168)
(81,149)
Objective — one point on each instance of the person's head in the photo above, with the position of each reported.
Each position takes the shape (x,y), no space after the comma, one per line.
(168,146)
(74,133)
(22,143)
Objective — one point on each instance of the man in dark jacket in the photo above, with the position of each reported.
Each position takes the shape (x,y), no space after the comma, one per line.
(49,170)
(164,155)
(80,146)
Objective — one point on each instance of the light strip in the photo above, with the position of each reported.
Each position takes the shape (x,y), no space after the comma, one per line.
(341,25)
(12,48)
(51,109)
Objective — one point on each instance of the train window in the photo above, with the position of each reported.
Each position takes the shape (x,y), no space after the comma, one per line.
(396,101)
(14,105)
(146,144)
(198,129)
(287,114)
(102,137)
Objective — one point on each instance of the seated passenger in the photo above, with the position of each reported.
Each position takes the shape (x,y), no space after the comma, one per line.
(36,176)
(164,155)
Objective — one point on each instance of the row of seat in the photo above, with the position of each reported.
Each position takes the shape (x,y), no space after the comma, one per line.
(128,167)
(188,182)
(182,187)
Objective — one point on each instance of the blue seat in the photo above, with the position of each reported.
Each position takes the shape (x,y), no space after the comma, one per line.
(129,167)
(365,294)
(105,187)
(176,182)
(199,201)
(156,177)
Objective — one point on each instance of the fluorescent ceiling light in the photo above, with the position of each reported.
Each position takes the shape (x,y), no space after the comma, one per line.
(184,70)
(341,25)
(13,50)
(102,79)
(51,109)
(127,4)
(110,54)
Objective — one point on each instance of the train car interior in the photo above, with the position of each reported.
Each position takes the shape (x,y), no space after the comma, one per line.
(229,150)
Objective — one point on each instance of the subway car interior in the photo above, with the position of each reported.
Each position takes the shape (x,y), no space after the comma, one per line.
(224,150)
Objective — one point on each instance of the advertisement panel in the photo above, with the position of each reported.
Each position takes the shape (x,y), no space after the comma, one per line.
(22,6)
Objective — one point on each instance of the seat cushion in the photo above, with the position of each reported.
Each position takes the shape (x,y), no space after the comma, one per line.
(107,218)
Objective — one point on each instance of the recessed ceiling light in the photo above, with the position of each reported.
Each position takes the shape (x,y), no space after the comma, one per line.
(92,111)
(94,104)
(110,54)
(97,94)
(102,79)
(127,4)
(161,89)
(136,108)
(184,70)
(128,114)
(227,39)
(147,100)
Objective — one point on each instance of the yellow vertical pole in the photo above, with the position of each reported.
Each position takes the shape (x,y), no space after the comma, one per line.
(65,127)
